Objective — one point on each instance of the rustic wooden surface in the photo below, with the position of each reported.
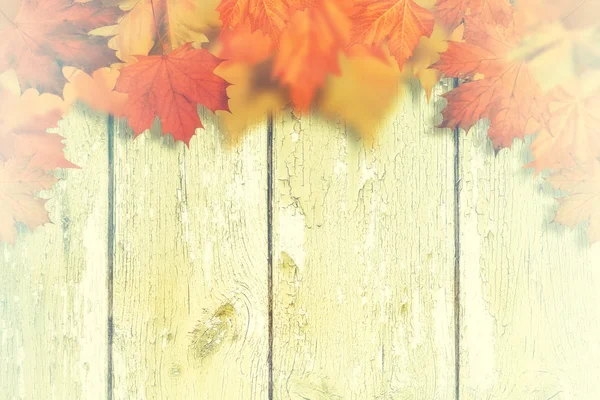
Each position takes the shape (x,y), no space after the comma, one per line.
(53,304)
(364,239)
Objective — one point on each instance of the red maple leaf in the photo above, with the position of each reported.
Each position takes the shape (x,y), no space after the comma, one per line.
(401,23)
(46,35)
(309,50)
(497,87)
(451,12)
(170,87)
(23,124)
(19,183)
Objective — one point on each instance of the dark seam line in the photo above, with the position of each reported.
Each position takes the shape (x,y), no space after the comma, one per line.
(110,251)
(457,249)
(270,247)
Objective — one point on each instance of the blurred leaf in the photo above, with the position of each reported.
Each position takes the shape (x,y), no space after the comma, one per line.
(582,203)
(364,92)
(571,136)
(309,50)
(251,98)
(97,90)
(556,54)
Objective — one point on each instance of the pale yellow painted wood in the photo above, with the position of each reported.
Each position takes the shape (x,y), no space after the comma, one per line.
(530,288)
(364,258)
(190,266)
(53,292)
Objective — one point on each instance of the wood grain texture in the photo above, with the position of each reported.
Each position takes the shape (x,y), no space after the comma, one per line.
(53,296)
(530,304)
(364,258)
(190,266)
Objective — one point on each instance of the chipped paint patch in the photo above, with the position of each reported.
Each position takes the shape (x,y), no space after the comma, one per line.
(292,243)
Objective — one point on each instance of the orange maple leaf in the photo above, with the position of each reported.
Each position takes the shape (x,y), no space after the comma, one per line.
(399,22)
(23,124)
(571,136)
(268,16)
(46,35)
(241,44)
(583,201)
(309,50)
(170,87)
(497,87)
(450,13)
(19,183)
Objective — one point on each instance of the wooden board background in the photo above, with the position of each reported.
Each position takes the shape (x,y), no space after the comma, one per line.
(302,263)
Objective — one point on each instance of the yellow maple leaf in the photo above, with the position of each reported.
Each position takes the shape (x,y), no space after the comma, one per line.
(427,53)
(250,101)
(363,93)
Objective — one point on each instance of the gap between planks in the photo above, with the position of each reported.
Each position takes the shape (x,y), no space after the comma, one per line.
(456,142)
(110,251)
(270,174)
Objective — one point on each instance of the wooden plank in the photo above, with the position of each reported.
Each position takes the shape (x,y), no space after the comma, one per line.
(530,304)
(364,258)
(53,293)
(190,269)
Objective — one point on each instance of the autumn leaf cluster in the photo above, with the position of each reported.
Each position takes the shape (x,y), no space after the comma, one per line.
(533,68)
(149,60)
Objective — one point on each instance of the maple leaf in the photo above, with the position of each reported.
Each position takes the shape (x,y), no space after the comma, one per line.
(158,26)
(268,16)
(583,201)
(497,87)
(23,124)
(19,183)
(571,136)
(309,50)
(451,12)
(46,35)
(399,22)
(97,91)
(170,87)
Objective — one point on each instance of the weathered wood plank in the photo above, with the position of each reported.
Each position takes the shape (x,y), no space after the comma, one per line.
(190,269)
(364,258)
(530,304)
(53,293)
